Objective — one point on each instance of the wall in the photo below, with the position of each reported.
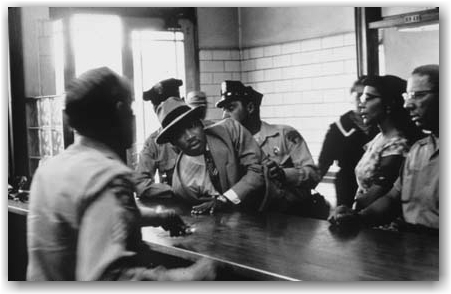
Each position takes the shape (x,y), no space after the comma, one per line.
(274,25)
(217,27)
(215,67)
(36,48)
(305,73)
(305,83)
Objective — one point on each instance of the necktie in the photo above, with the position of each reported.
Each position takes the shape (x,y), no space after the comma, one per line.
(212,171)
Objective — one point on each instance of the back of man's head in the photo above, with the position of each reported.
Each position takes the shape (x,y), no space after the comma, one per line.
(91,100)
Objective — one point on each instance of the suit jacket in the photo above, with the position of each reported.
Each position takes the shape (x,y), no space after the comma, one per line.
(238,160)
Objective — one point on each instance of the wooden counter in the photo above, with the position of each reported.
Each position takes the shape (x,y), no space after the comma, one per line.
(280,247)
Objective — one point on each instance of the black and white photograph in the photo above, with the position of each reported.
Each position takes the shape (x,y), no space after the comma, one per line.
(176,144)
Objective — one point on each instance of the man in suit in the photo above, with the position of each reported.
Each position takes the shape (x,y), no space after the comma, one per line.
(219,166)
(160,158)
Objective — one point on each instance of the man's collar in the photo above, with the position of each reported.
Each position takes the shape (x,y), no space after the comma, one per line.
(95,144)
(266,131)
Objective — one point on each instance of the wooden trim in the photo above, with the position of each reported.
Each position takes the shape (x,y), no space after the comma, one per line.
(69,75)
(169,14)
(407,19)
(44,97)
(367,40)
(18,126)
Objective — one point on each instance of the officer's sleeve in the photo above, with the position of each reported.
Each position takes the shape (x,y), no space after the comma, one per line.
(146,168)
(304,173)
(109,239)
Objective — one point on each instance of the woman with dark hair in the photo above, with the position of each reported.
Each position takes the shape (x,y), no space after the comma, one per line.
(343,144)
(382,105)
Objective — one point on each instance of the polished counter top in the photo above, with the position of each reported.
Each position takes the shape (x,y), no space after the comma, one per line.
(281,247)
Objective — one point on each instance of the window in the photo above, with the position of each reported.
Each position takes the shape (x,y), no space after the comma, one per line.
(44,112)
(97,42)
(157,55)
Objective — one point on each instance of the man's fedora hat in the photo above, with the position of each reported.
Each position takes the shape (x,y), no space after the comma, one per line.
(171,113)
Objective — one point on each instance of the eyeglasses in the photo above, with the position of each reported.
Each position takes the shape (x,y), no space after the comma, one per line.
(416,95)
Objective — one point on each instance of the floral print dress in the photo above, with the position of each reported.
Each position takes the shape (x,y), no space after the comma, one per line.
(368,167)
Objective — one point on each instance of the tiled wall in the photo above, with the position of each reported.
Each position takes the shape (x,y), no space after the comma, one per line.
(305,83)
(215,67)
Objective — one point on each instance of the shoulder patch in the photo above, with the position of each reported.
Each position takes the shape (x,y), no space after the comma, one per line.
(124,190)
(294,137)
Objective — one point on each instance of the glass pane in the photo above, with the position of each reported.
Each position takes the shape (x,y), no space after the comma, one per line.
(33,142)
(97,41)
(32,112)
(57,111)
(57,141)
(58,49)
(405,49)
(44,112)
(45,143)
(156,56)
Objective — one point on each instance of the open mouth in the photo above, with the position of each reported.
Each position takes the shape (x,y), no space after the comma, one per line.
(414,118)
(194,144)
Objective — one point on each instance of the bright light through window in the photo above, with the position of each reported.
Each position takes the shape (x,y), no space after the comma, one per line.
(58,47)
(97,41)
(156,56)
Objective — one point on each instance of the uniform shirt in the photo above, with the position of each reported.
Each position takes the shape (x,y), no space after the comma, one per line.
(83,222)
(284,145)
(418,185)
(154,157)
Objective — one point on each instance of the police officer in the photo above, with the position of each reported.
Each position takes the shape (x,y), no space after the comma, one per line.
(288,159)
(157,157)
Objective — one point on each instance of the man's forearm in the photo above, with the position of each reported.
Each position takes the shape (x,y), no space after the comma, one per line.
(306,176)
(150,217)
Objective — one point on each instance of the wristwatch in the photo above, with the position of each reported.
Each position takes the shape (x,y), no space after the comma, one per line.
(222,198)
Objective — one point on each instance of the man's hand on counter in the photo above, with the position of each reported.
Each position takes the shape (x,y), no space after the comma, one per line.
(168,219)
(172,222)
(345,217)
(210,207)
